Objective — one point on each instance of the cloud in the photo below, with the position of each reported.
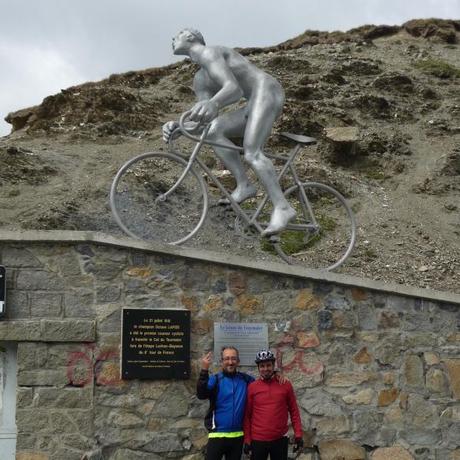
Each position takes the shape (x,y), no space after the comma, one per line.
(47,45)
(31,73)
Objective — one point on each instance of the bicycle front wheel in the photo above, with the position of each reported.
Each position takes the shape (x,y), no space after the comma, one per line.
(323,234)
(142,211)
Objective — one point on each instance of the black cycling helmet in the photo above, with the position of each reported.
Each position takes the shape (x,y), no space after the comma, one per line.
(265,355)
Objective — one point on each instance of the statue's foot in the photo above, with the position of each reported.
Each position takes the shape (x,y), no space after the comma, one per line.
(241,194)
(279,220)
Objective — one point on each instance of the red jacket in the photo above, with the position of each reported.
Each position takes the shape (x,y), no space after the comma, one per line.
(266,413)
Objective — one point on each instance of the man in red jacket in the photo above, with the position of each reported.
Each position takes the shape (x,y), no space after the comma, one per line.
(266,415)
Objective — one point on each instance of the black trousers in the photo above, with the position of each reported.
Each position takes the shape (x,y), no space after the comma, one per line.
(278,449)
(227,448)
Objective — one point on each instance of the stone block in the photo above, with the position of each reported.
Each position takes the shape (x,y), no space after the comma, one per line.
(32,420)
(361,397)
(43,377)
(68,453)
(71,421)
(68,264)
(195,277)
(79,304)
(318,402)
(24,397)
(39,280)
(17,305)
(362,357)
(388,320)
(125,454)
(421,412)
(340,449)
(431,358)
(31,455)
(366,317)
(107,294)
(391,453)
(436,382)
(174,403)
(421,436)
(45,304)
(17,331)
(123,419)
(25,442)
(213,303)
(19,257)
(332,425)
(307,339)
(110,322)
(219,287)
(249,305)
(359,294)
(387,397)
(348,379)
(68,330)
(367,425)
(237,283)
(31,355)
(413,371)
(453,371)
(164,442)
(306,300)
(64,398)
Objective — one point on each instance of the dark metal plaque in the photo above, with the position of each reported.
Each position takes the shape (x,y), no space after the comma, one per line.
(2,290)
(155,344)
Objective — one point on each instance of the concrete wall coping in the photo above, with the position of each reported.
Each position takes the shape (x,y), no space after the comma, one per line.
(68,237)
(48,330)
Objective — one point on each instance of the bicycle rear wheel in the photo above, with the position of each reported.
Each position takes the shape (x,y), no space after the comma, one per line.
(323,234)
(138,205)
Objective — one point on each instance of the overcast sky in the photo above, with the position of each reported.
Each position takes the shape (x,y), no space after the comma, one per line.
(46,45)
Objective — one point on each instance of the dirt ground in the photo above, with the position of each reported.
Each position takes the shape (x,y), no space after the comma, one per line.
(401,174)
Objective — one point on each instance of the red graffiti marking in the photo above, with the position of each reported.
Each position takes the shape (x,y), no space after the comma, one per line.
(297,362)
(81,371)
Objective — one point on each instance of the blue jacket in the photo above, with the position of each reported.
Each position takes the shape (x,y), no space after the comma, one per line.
(227,395)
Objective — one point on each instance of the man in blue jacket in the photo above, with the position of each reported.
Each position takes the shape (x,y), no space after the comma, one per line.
(226,392)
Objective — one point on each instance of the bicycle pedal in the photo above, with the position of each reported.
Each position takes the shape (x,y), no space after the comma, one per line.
(274,239)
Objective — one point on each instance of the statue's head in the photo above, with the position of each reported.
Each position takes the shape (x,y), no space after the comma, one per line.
(185,38)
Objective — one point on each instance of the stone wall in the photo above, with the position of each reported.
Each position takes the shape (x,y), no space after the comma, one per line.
(377,373)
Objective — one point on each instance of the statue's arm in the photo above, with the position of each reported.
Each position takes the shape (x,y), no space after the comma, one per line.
(202,86)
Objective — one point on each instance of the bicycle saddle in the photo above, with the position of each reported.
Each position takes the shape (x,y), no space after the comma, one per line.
(299,139)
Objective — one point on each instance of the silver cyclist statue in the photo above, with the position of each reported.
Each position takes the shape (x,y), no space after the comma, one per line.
(225,77)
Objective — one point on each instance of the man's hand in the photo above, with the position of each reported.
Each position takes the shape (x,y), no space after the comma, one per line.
(204,111)
(168,129)
(206,361)
(298,444)
(247,449)
(281,377)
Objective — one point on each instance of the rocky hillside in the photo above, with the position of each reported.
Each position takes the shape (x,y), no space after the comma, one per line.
(383,101)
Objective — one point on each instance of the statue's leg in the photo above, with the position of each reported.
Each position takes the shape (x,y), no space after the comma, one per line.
(231,125)
(264,108)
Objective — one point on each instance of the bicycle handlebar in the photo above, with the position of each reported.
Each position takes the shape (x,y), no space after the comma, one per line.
(202,139)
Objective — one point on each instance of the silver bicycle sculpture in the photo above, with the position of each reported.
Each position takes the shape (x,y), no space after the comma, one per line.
(163,197)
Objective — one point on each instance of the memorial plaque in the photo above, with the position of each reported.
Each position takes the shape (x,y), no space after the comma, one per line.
(155,344)
(248,338)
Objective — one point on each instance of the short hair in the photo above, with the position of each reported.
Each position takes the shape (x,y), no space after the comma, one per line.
(196,33)
(229,348)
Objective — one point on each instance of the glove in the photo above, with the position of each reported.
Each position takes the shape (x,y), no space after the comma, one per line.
(247,449)
(298,444)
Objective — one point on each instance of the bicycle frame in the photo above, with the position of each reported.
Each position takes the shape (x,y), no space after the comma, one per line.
(250,220)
